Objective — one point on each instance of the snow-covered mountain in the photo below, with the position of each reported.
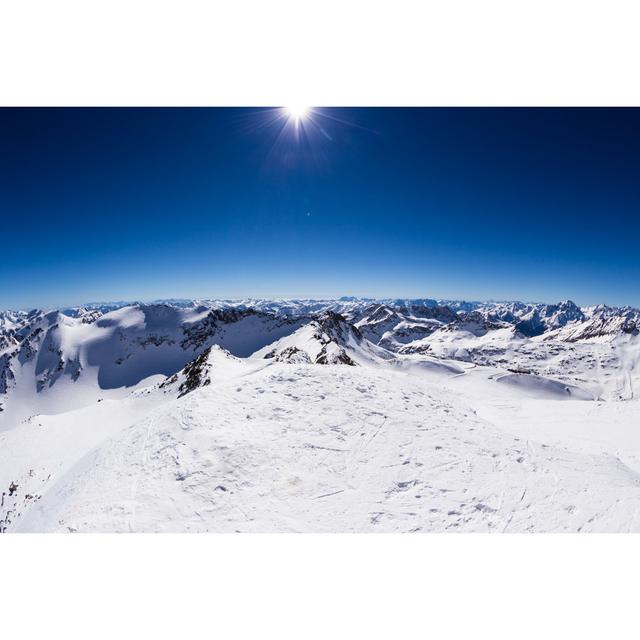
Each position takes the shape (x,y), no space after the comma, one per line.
(327,339)
(238,382)
(46,352)
(99,347)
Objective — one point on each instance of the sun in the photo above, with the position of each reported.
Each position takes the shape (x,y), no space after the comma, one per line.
(297,113)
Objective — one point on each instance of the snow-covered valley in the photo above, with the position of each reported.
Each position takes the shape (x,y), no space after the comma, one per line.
(345,415)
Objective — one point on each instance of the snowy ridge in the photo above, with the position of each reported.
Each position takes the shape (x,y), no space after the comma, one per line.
(310,415)
(213,363)
(119,349)
(328,339)
(103,348)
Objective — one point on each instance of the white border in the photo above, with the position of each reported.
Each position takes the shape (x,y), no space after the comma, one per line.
(329,53)
(319,586)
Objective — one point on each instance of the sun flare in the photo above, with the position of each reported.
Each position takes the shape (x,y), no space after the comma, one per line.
(297,113)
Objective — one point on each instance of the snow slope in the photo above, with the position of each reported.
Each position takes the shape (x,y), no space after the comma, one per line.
(295,447)
(54,362)
(217,416)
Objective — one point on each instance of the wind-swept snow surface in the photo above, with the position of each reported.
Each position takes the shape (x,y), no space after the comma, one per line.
(361,416)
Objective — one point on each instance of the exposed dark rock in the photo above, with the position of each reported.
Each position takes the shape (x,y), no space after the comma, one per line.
(195,375)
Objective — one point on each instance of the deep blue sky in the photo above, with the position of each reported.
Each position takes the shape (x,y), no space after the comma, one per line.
(111,204)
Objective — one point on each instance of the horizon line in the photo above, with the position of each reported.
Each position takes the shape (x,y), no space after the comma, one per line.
(344,298)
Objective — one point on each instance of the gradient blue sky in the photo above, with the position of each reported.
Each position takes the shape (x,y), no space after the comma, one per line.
(123,204)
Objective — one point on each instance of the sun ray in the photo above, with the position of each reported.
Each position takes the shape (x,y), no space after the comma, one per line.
(298,113)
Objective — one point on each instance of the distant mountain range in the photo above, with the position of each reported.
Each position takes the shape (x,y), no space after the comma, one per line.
(107,346)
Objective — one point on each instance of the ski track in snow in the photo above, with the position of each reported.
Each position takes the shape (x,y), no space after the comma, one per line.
(334,448)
